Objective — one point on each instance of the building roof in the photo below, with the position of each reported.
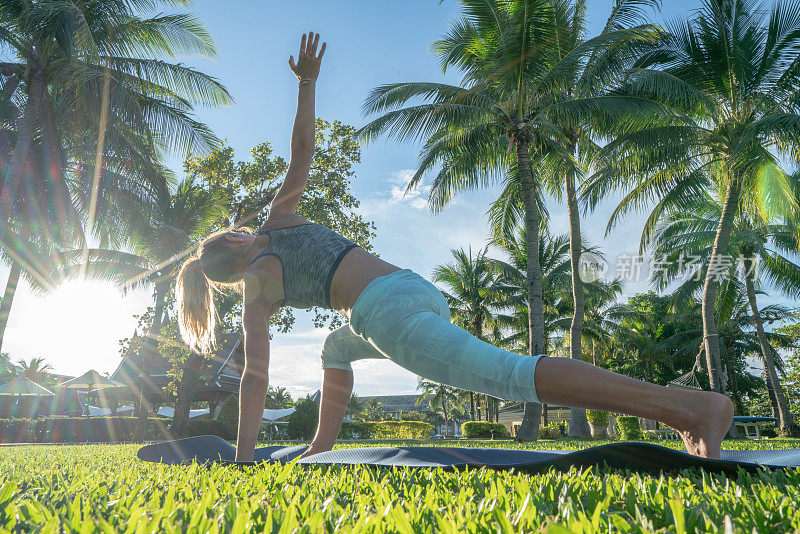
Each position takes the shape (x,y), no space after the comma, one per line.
(221,371)
(400,403)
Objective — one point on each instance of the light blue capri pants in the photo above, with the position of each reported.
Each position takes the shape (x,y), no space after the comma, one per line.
(405,318)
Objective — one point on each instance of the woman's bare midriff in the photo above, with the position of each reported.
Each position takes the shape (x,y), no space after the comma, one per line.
(357,269)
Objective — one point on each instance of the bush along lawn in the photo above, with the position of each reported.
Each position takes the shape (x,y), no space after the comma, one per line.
(105,488)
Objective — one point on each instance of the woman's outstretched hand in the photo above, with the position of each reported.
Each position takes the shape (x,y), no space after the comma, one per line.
(308,62)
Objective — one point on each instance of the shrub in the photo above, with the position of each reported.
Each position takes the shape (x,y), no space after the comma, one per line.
(550,431)
(205,427)
(79,430)
(385,430)
(229,415)
(400,429)
(629,428)
(483,429)
(303,422)
(354,430)
(597,417)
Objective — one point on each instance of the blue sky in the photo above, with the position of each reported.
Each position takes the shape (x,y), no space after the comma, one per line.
(369,43)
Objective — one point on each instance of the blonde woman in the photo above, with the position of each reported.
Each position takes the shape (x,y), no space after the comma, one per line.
(393,313)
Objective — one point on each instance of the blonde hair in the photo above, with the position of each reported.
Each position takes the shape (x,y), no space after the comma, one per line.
(203,274)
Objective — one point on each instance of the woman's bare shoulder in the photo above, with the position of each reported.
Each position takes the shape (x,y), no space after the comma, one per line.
(273,223)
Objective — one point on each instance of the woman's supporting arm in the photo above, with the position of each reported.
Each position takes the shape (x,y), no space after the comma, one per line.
(307,70)
(337,385)
(255,377)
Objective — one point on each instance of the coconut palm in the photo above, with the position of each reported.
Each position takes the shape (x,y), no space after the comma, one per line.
(508,111)
(731,70)
(277,398)
(96,59)
(756,251)
(159,241)
(35,369)
(472,293)
(513,325)
(437,394)
(583,74)
(554,255)
(87,108)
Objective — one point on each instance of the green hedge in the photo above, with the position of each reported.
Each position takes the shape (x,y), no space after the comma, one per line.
(598,417)
(550,431)
(483,429)
(205,427)
(629,428)
(79,430)
(97,429)
(385,430)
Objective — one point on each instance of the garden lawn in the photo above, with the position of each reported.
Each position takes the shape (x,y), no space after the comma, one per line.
(105,488)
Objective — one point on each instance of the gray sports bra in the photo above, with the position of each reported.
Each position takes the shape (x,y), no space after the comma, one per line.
(309,255)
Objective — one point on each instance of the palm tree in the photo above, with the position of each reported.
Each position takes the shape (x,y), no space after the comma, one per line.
(756,250)
(514,324)
(85,102)
(472,294)
(160,242)
(730,70)
(600,298)
(35,369)
(583,75)
(96,58)
(354,405)
(277,398)
(437,394)
(507,112)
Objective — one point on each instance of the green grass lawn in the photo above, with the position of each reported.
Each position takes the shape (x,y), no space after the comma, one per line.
(105,488)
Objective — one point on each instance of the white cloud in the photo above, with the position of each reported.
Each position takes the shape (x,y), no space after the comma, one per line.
(398,194)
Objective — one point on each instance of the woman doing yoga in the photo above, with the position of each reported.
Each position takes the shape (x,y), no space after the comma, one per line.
(393,313)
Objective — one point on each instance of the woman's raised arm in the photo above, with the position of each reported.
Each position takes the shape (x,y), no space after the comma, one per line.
(307,70)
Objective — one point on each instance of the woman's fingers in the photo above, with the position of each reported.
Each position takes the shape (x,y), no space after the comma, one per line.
(322,51)
(292,64)
(313,50)
(302,45)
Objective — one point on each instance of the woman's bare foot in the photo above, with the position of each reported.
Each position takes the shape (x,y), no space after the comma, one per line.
(706,422)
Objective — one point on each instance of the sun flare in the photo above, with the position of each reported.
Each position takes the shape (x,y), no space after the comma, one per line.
(81,325)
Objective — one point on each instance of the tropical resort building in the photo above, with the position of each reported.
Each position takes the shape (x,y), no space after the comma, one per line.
(219,378)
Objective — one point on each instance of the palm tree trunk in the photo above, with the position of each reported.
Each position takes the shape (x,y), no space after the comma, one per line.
(471,406)
(149,354)
(787,424)
(710,332)
(191,373)
(578,424)
(9,186)
(444,411)
(8,298)
(532,411)
(773,402)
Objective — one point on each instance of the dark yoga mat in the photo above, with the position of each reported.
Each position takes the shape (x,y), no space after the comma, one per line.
(642,457)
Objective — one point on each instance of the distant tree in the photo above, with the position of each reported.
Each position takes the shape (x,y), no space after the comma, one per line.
(372,410)
(7,369)
(303,422)
(248,187)
(474,294)
(439,396)
(278,398)
(792,363)
(354,406)
(37,370)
